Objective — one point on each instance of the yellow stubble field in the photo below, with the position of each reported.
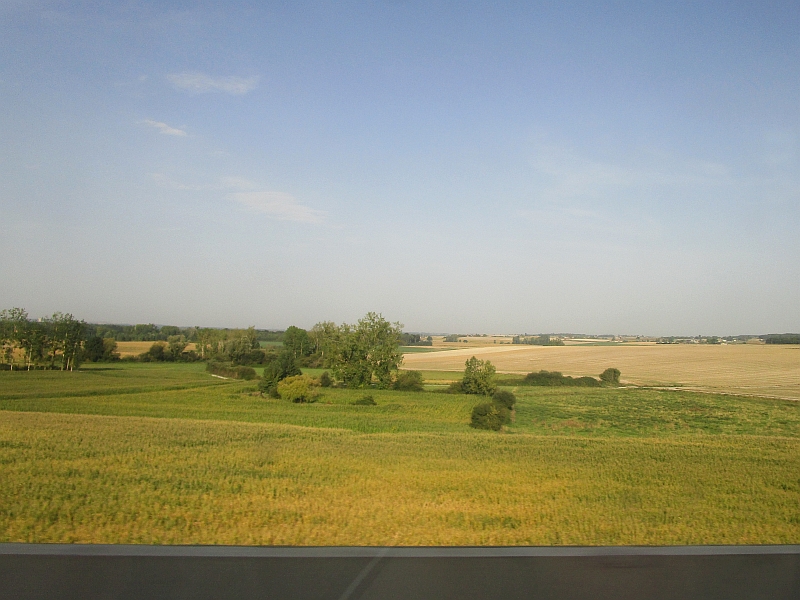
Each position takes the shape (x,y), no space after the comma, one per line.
(762,370)
(136,348)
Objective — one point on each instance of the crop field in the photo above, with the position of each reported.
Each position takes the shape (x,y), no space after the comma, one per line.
(762,370)
(135,348)
(161,453)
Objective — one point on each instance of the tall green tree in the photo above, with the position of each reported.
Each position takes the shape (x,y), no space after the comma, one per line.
(279,369)
(369,349)
(296,341)
(479,377)
(14,326)
(324,336)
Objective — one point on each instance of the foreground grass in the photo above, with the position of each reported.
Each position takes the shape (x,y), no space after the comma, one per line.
(167,454)
(80,478)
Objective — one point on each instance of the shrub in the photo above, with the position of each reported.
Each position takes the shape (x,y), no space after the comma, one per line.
(325,379)
(479,377)
(488,415)
(297,388)
(246,373)
(155,354)
(505,399)
(280,368)
(455,388)
(224,370)
(408,381)
(610,375)
(555,378)
(365,401)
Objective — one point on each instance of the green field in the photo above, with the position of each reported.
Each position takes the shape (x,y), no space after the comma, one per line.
(160,453)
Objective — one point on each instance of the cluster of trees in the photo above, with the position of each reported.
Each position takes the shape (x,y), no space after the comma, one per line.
(54,342)
(556,378)
(413,339)
(537,340)
(782,338)
(62,342)
(358,355)
(480,378)
(154,333)
(235,347)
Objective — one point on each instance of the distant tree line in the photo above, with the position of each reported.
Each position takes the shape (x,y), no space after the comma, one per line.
(412,339)
(537,340)
(62,342)
(155,333)
(782,338)
(54,342)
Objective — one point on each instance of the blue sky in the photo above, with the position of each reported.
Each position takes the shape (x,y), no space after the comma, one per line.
(458,167)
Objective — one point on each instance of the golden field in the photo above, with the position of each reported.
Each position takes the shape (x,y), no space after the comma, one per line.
(136,348)
(753,369)
(101,479)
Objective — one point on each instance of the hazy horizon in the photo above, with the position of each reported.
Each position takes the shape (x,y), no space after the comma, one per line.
(629,169)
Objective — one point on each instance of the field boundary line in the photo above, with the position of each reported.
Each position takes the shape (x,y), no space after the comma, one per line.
(378,552)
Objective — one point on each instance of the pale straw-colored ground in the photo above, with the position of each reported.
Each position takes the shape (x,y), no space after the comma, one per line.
(764,370)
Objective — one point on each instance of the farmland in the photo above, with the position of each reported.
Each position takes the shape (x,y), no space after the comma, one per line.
(761,370)
(163,453)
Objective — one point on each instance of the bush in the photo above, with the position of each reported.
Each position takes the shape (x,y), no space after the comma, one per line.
(479,377)
(297,388)
(488,415)
(325,379)
(408,381)
(610,375)
(555,378)
(455,388)
(224,370)
(505,399)
(283,366)
(365,401)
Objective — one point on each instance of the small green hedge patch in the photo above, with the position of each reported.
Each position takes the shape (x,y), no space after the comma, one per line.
(488,415)
(224,370)
(408,381)
(555,378)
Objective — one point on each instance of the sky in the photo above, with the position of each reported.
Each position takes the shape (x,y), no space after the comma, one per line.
(592,167)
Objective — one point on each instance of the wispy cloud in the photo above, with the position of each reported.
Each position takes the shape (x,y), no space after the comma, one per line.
(278,205)
(200,83)
(164,128)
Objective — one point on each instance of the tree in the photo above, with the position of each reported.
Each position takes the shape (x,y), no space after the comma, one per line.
(94,350)
(324,336)
(488,415)
(479,377)
(14,329)
(298,388)
(296,341)
(367,350)
(282,367)
(610,375)
(242,346)
(408,381)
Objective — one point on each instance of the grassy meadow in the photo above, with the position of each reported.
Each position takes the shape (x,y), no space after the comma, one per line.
(164,453)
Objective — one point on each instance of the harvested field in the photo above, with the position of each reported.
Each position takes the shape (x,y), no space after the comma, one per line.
(136,348)
(762,370)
